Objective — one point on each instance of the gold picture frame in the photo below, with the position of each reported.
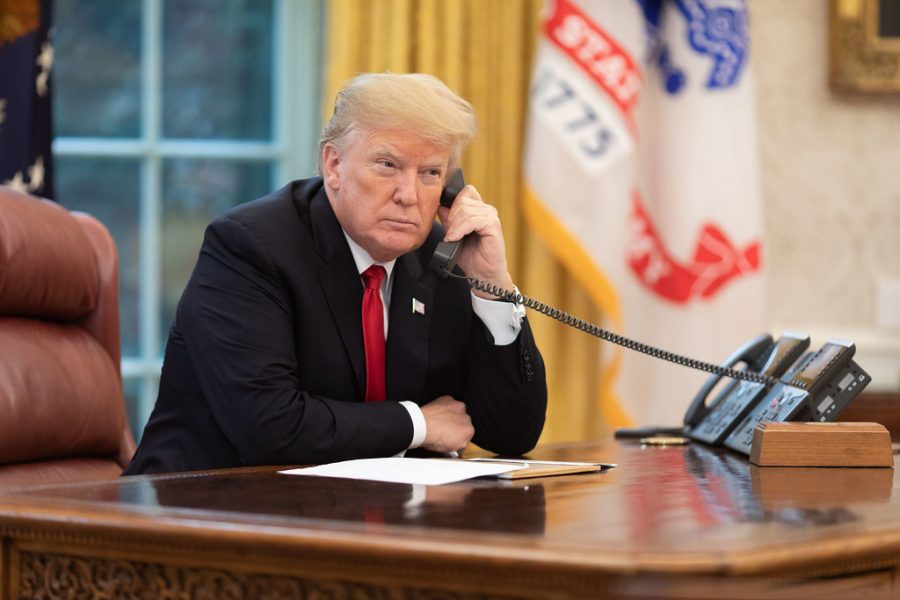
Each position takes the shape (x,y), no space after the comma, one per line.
(864,46)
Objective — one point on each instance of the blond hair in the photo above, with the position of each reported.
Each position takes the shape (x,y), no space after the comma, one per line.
(414,101)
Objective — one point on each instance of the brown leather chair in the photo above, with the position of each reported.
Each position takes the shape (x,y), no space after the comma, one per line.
(62,415)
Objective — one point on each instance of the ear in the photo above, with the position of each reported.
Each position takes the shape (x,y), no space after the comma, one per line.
(331,159)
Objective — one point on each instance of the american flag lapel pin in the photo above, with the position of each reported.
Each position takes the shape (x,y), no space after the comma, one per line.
(418,307)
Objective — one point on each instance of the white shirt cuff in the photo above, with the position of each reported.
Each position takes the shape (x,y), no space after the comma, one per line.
(418,423)
(503,319)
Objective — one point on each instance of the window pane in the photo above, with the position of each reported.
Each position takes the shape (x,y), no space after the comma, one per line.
(109,189)
(194,192)
(217,69)
(132,388)
(97,68)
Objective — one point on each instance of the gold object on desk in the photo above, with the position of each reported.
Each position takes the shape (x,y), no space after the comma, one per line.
(686,522)
(665,440)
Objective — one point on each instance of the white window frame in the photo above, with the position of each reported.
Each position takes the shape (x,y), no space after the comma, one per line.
(292,151)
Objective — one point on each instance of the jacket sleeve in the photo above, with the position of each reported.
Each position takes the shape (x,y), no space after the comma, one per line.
(506,391)
(238,323)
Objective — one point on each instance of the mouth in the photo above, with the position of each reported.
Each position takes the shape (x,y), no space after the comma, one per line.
(400,223)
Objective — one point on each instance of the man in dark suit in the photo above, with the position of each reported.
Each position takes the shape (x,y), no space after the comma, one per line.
(313,329)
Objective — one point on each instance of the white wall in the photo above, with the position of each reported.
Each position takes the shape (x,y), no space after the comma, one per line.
(831,186)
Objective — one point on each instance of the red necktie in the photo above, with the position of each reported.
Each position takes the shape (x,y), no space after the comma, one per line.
(373,333)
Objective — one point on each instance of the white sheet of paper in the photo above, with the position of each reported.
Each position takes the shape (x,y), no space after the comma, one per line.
(428,471)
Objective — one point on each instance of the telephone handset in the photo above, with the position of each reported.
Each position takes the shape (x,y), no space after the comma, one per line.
(748,353)
(711,423)
(446,253)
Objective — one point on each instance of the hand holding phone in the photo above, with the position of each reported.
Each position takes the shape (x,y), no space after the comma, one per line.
(481,253)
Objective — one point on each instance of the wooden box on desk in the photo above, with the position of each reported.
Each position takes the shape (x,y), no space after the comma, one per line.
(821,445)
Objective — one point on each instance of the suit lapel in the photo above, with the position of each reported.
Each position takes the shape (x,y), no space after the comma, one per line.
(407,344)
(341,284)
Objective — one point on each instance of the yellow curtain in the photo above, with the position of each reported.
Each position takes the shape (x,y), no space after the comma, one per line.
(483,50)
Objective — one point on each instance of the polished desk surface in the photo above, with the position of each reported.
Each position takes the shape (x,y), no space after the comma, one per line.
(670,508)
(666,510)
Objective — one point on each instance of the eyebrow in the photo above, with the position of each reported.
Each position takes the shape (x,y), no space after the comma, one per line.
(389,154)
(385,153)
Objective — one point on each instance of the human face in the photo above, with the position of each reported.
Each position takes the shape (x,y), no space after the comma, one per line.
(384,187)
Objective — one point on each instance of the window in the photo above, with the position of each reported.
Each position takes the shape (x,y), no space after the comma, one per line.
(166,113)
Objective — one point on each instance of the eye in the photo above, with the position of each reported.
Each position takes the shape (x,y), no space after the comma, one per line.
(431,175)
(385,163)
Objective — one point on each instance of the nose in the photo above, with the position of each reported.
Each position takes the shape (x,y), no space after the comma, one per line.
(406,192)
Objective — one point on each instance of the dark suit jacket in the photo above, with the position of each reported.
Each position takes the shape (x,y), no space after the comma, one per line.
(265,361)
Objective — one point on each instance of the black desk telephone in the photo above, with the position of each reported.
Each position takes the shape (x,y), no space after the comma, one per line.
(813,386)
(779,380)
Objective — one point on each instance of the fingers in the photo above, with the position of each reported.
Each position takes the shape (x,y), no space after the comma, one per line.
(445,405)
(445,402)
(484,222)
(469,214)
(448,426)
(483,256)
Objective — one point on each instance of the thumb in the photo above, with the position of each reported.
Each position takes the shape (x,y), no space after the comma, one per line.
(443,215)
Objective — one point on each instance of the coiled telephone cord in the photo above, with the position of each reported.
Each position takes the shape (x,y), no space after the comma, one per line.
(609,336)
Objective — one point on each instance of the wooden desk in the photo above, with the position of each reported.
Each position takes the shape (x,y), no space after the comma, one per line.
(668,522)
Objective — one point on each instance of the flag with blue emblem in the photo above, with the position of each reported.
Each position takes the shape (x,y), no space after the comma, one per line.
(26,57)
(642,176)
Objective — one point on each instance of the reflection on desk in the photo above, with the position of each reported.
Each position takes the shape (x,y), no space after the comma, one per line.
(690,521)
(475,506)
